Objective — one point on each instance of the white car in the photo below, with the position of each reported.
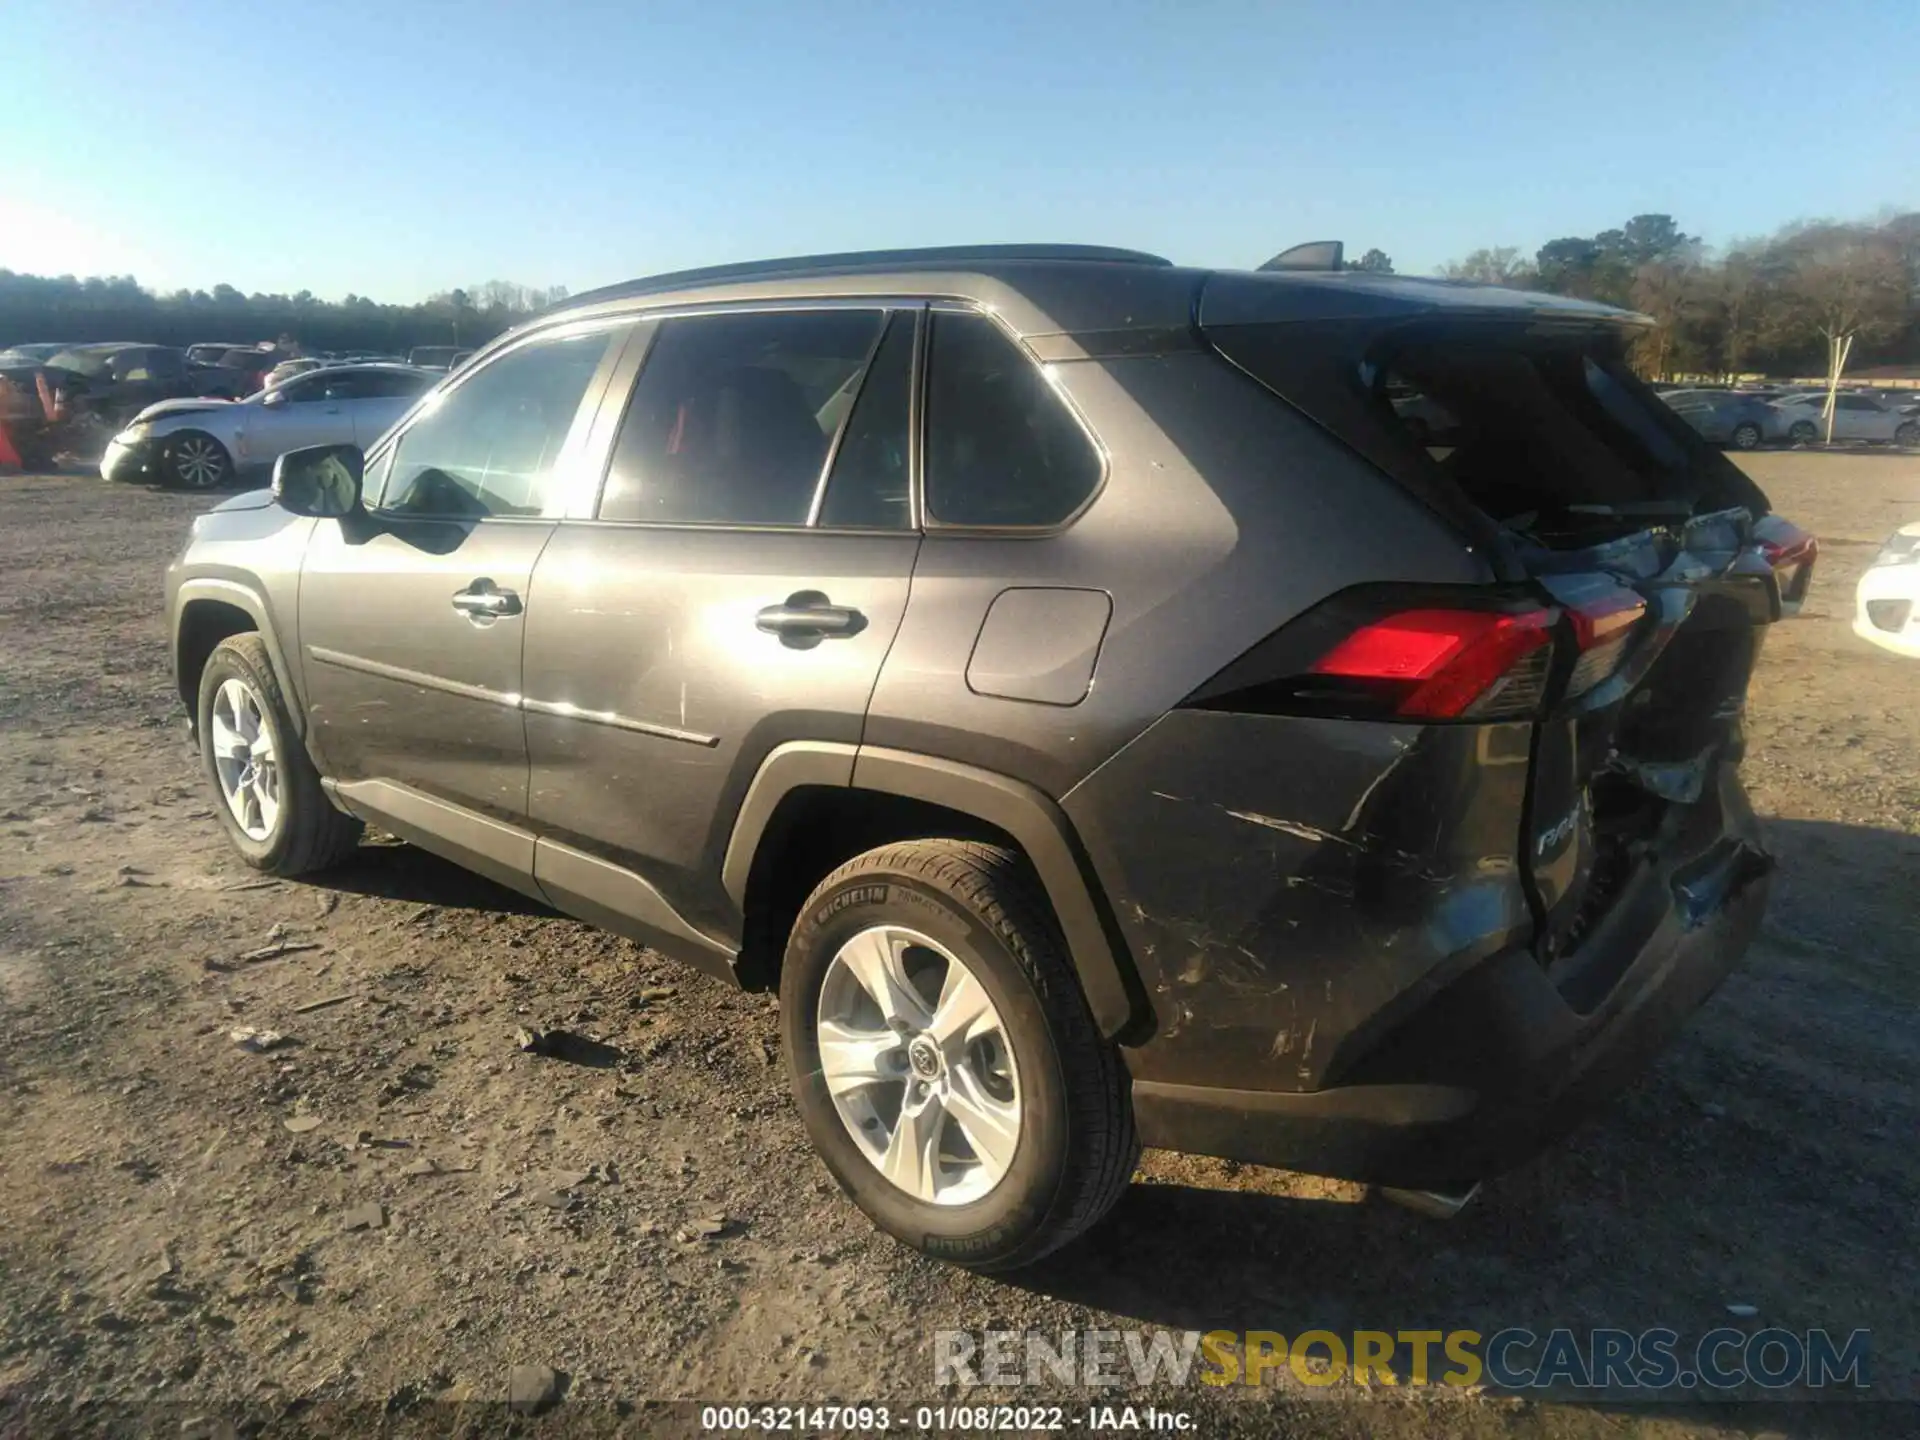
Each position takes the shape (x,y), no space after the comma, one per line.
(1887,604)
(1855,417)
(201,444)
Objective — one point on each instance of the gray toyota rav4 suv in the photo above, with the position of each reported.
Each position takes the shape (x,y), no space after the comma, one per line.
(1289,715)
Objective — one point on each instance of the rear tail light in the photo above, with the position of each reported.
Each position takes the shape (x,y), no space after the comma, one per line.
(1398,652)
(1433,654)
(1448,664)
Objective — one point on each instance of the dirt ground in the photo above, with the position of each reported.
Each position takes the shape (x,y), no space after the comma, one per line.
(183,1223)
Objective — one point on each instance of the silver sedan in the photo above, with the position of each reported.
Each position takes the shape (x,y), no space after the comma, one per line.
(1855,417)
(202,444)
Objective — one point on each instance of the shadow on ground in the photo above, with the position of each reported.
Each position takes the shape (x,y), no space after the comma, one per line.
(1766,1159)
(397,871)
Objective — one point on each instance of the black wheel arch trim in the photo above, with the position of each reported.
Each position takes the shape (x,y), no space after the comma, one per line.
(1107,977)
(242,598)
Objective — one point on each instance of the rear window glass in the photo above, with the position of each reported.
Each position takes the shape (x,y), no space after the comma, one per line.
(1550,435)
(1002,449)
(1528,434)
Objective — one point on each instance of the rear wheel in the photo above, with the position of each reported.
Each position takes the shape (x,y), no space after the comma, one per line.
(1746,436)
(194,460)
(1908,434)
(944,1059)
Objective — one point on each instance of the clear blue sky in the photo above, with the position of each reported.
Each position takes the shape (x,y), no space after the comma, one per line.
(401,147)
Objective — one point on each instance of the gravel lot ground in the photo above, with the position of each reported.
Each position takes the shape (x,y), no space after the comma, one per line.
(183,1224)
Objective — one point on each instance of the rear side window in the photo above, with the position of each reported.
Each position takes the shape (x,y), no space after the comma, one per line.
(734,416)
(1002,449)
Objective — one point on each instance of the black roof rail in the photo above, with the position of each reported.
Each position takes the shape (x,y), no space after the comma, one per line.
(860,260)
(1314,255)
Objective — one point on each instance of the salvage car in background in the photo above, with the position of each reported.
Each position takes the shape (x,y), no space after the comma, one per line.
(115,382)
(1855,417)
(209,352)
(1887,600)
(1729,417)
(202,444)
(438,357)
(36,353)
(287,369)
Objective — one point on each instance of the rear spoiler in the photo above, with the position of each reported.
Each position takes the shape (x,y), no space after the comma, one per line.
(1279,293)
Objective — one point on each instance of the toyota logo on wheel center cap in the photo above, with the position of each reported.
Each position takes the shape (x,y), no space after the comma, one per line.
(924,1057)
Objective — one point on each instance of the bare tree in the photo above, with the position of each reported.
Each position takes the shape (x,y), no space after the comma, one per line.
(1668,292)
(1498,265)
(1842,283)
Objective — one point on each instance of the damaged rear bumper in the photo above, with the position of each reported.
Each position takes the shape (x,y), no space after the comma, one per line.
(1511,1055)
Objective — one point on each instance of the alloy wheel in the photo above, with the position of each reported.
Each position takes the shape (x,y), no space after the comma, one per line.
(198,461)
(916,1059)
(243,759)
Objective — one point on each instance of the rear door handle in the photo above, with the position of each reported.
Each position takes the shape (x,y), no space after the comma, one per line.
(483,600)
(809,614)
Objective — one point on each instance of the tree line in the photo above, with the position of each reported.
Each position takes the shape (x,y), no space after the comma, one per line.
(1805,300)
(116,307)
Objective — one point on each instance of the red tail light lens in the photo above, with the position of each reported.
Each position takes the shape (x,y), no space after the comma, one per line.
(1449,664)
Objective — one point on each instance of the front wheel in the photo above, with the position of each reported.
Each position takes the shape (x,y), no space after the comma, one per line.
(193,460)
(944,1059)
(269,798)
(1908,434)
(1803,433)
(1746,436)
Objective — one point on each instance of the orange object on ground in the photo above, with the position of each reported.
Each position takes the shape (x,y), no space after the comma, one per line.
(8,455)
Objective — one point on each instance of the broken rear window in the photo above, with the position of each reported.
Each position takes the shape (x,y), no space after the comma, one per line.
(1551,436)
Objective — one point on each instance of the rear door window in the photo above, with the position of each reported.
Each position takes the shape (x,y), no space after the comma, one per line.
(734,417)
(870,487)
(1002,448)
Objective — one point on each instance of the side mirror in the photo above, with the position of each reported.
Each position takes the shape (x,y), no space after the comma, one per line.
(321,480)
(274,397)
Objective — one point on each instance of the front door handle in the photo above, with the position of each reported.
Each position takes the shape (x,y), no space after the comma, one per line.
(808,615)
(483,600)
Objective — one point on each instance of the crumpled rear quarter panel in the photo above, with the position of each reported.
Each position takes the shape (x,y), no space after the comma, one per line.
(1289,888)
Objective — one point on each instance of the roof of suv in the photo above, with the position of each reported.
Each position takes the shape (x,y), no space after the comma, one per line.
(1049,289)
